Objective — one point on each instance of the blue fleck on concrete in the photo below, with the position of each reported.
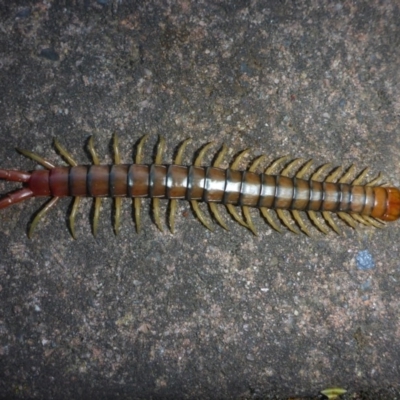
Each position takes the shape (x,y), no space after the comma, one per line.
(365,260)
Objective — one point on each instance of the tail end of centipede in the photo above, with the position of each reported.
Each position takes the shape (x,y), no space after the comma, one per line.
(18,195)
(15,197)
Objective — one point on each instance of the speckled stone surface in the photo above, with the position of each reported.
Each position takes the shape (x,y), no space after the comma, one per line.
(198,314)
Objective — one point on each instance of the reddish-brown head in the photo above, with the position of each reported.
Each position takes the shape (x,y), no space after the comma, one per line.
(387,203)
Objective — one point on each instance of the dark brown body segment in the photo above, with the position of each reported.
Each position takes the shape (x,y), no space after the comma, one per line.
(211,184)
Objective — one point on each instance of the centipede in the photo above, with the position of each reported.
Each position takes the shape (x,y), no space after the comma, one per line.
(285,192)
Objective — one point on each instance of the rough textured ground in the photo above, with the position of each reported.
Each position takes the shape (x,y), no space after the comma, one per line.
(198,314)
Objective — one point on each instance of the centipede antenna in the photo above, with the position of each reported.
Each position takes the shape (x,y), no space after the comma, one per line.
(37,158)
(72,216)
(43,211)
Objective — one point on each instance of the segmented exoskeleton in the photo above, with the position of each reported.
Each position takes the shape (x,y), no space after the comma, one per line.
(350,199)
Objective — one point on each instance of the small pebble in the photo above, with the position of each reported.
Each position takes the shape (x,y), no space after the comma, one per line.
(365,260)
(50,54)
(23,13)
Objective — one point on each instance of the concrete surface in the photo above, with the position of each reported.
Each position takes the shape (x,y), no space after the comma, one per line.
(198,314)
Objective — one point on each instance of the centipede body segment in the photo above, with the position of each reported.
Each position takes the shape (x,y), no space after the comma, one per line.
(286,188)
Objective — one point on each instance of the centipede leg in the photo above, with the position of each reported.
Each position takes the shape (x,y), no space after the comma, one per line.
(97,200)
(376,181)
(245,209)
(314,219)
(316,176)
(173,202)
(64,153)
(200,215)
(346,218)
(44,210)
(266,213)
(348,174)
(300,222)
(213,207)
(156,201)
(195,203)
(117,200)
(232,210)
(281,213)
(360,178)
(359,219)
(136,202)
(373,222)
(296,215)
(96,214)
(37,158)
(72,216)
(286,221)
